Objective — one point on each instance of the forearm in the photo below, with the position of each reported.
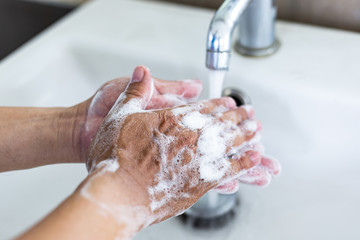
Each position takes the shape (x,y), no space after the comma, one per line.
(102,207)
(75,218)
(31,137)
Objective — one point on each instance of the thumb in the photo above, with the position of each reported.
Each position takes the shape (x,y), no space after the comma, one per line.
(140,87)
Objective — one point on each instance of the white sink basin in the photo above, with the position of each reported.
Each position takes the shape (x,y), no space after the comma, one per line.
(306,95)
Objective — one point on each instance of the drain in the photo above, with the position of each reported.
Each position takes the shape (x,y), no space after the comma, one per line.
(240,97)
(212,211)
(207,223)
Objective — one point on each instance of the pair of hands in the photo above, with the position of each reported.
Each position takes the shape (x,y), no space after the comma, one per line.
(93,111)
(148,158)
(157,163)
(151,152)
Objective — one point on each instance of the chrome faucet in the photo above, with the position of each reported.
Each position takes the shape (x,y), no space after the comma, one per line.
(256,35)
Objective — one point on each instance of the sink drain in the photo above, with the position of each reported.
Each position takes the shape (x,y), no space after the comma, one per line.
(240,97)
(213,211)
(207,223)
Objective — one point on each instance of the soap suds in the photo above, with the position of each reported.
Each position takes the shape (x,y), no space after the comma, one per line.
(186,109)
(118,113)
(110,165)
(250,126)
(229,187)
(248,108)
(176,100)
(258,175)
(195,120)
(152,89)
(211,159)
(130,217)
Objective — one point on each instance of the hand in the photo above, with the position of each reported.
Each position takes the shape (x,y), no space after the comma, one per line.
(94,110)
(146,166)
(259,175)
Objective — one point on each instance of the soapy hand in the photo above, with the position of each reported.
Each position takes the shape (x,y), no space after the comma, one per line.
(259,175)
(148,165)
(95,109)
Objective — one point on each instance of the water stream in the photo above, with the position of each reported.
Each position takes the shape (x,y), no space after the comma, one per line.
(216,80)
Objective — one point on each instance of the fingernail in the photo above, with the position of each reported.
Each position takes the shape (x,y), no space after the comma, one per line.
(138,75)
(249,110)
(255,157)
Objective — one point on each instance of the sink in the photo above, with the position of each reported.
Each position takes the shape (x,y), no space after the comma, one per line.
(306,96)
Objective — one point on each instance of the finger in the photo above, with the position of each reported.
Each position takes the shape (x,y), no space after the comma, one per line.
(140,87)
(272,165)
(249,110)
(242,143)
(106,96)
(206,107)
(217,105)
(247,131)
(251,127)
(236,129)
(166,101)
(257,175)
(238,165)
(245,161)
(186,88)
(237,115)
(112,90)
(227,188)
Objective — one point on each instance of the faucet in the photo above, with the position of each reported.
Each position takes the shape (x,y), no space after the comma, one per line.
(256,35)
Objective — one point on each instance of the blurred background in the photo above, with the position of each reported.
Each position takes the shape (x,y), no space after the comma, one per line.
(20,20)
(344,14)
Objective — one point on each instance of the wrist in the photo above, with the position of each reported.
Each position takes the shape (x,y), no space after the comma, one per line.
(71,122)
(118,197)
(75,218)
(33,137)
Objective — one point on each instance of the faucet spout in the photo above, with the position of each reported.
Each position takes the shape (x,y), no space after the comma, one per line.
(256,34)
(219,37)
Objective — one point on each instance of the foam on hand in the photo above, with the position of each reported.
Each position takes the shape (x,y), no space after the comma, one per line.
(250,126)
(195,120)
(213,162)
(128,217)
(210,158)
(176,100)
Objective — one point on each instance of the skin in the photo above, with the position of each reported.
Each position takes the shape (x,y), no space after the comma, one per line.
(114,202)
(32,137)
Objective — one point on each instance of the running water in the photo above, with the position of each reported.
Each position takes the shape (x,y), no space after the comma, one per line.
(216,80)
